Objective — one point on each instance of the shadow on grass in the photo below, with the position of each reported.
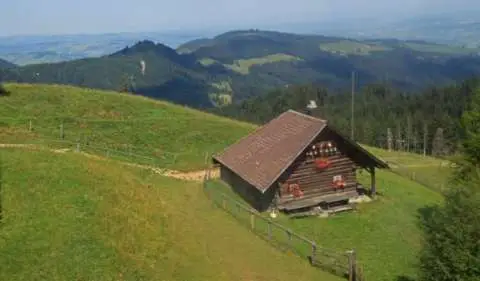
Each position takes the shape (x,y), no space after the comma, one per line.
(404,278)
(426,215)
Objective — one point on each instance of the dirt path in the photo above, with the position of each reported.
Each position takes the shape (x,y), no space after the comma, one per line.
(188,176)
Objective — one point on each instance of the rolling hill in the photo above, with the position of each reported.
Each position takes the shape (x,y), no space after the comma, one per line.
(71,217)
(81,212)
(167,75)
(237,65)
(6,64)
(176,136)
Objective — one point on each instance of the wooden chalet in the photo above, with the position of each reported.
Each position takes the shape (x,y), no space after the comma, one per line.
(296,162)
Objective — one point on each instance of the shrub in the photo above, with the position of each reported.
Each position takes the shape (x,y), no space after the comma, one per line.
(3,91)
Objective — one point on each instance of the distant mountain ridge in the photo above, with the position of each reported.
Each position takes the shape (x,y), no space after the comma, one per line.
(237,65)
(6,64)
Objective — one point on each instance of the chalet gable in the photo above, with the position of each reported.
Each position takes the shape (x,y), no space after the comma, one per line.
(263,156)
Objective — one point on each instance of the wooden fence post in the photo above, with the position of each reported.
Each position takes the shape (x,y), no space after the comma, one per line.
(289,234)
(78,147)
(252,220)
(61,131)
(269,230)
(314,250)
(352,266)
(30,125)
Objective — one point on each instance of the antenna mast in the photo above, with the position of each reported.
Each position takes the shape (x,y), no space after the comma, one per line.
(353,106)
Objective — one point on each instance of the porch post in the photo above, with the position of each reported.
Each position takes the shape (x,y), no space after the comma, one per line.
(373,188)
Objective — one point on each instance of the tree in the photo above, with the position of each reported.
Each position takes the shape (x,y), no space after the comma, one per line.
(438,144)
(124,84)
(452,236)
(471,126)
(3,91)
(452,232)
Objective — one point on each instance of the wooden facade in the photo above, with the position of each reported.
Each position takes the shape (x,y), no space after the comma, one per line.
(258,200)
(317,185)
(318,171)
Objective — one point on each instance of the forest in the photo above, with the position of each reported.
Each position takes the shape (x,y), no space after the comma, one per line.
(413,121)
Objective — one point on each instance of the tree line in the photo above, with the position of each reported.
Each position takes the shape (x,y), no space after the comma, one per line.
(451,250)
(426,121)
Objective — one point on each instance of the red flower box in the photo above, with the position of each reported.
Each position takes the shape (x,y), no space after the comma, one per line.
(322,163)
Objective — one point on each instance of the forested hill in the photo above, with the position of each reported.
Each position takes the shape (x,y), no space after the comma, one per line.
(376,108)
(165,75)
(238,65)
(267,59)
(6,64)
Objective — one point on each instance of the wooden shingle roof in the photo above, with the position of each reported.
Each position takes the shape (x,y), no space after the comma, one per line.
(264,155)
(261,157)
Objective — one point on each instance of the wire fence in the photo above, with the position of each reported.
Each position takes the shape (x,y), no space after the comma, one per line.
(128,155)
(434,176)
(341,263)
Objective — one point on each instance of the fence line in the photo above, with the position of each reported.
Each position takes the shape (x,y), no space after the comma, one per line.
(434,177)
(72,129)
(105,151)
(341,263)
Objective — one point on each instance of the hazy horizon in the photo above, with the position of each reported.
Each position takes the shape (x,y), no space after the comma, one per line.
(90,17)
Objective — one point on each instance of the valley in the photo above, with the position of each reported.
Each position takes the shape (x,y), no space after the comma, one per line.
(248,63)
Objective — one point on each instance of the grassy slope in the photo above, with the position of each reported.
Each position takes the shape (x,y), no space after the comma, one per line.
(243,66)
(385,233)
(390,222)
(69,217)
(179,137)
(351,47)
(440,49)
(432,172)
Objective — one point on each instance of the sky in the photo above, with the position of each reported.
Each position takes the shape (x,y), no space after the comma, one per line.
(46,17)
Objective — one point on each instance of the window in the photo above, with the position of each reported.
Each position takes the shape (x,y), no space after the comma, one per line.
(337,178)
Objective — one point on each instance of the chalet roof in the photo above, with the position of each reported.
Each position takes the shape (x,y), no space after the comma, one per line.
(263,156)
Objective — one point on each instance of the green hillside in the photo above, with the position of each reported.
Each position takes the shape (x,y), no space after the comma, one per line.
(69,217)
(255,61)
(385,233)
(145,226)
(167,74)
(177,137)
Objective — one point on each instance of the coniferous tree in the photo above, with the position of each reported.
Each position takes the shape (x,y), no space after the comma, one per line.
(471,125)
(452,232)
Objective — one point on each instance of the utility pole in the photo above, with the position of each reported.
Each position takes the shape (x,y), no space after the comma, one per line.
(425,132)
(1,179)
(353,106)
